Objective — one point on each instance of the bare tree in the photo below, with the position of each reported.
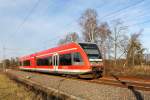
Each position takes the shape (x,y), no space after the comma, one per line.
(135,51)
(102,37)
(70,37)
(119,38)
(88,22)
(93,31)
(74,37)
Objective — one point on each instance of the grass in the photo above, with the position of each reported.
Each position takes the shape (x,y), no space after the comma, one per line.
(10,90)
(133,71)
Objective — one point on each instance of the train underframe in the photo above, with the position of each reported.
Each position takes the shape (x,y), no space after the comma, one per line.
(95,73)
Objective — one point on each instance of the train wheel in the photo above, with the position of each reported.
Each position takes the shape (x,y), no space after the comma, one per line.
(96,74)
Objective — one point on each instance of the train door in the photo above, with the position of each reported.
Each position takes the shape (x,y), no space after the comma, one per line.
(55,61)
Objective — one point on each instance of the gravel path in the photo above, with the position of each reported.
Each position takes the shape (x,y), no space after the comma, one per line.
(82,89)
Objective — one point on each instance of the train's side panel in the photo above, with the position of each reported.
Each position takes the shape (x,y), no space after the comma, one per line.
(42,68)
(28,58)
(65,49)
(77,69)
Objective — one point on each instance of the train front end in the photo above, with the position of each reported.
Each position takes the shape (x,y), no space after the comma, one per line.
(95,59)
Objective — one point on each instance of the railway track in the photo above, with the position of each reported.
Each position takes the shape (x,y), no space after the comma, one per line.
(130,83)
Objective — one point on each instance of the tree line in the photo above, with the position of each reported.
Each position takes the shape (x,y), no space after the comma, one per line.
(11,63)
(113,39)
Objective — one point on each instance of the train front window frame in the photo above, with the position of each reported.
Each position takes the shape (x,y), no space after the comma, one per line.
(91,50)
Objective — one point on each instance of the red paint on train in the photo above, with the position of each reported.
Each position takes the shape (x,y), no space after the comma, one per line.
(72,58)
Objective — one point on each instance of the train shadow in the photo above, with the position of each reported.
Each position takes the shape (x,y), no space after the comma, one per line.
(136,93)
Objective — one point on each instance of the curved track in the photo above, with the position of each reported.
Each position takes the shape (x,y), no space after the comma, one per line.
(130,83)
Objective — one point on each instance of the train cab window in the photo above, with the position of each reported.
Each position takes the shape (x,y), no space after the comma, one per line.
(65,59)
(26,63)
(77,59)
(91,50)
(44,61)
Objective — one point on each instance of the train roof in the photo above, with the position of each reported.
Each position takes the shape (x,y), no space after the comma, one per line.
(60,47)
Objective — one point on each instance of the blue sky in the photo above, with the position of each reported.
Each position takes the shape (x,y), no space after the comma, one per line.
(52,19)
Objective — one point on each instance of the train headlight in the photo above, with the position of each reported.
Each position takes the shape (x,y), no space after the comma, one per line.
(96,63)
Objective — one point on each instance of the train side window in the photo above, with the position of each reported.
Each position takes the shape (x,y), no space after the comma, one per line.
(44,61)
(65,59)
(26,63)
(20,63)
(77,59)
(50,61)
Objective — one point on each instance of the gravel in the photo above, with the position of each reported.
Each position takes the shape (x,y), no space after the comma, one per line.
(83,89)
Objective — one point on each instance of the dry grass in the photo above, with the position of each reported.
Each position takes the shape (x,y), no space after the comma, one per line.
(135,71)
(139,71)
(9,90)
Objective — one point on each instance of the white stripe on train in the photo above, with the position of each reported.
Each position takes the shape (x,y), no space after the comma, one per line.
(59,70)
(57,52)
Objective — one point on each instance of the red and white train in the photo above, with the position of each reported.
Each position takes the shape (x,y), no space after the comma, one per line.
(82,59)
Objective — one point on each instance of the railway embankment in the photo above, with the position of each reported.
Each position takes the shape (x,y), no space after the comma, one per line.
(63,88)
(10,90)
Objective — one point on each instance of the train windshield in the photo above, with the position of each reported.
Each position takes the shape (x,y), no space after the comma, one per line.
(91,50)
